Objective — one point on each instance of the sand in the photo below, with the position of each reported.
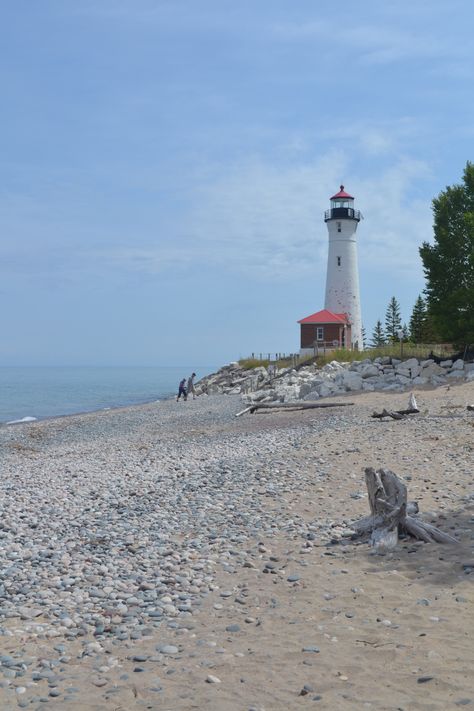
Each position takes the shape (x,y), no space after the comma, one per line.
(296,621)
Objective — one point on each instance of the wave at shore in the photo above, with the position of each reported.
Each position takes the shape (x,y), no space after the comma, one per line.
(54,392)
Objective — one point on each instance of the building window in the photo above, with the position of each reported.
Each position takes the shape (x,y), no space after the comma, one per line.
(320,333)
(338,261)
(339,229)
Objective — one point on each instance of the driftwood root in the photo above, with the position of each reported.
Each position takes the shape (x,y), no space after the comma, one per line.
(392,515)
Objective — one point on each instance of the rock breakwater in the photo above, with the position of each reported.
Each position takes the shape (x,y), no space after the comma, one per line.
(311,382)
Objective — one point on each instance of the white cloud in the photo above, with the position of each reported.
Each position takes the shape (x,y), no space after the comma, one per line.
(375,137)
(383,42)
(397,221)
(265,222)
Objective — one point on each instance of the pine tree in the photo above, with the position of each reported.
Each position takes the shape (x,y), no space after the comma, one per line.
(449,262)
(378,335)
(364,338)
(418,321)
(430,331)
(393,320)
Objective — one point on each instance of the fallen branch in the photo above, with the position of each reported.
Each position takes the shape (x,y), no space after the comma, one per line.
(388,505)
(400,414)
(397,414)
(290,406)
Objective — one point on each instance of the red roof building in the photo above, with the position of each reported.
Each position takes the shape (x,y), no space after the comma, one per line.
(325,329)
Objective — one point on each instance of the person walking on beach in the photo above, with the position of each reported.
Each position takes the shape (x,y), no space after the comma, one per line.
(190,387)
(182,390)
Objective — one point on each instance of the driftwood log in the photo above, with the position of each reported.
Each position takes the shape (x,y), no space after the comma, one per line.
(396,414)
(391,514)
(290,406)
(412,409)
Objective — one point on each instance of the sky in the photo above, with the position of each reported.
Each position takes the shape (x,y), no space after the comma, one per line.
(165,167)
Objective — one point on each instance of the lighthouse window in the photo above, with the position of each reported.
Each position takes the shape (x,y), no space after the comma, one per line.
(320,333)
(338,261)
(339,227)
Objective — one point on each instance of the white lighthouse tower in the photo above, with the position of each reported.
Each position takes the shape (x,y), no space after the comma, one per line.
(342,278)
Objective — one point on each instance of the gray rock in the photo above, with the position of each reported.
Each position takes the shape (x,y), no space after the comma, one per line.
(167,649)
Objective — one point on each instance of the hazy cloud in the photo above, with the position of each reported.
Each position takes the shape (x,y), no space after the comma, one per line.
(266,221)
(374,43)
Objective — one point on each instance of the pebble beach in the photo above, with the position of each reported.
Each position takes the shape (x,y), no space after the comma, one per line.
(171,556)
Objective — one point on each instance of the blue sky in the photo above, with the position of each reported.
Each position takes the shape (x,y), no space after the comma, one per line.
(165,167)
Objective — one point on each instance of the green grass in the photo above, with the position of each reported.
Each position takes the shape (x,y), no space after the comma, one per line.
(250,363)
(410,350)
(393,350)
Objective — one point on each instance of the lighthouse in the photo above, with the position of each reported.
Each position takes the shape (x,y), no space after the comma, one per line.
(342,276)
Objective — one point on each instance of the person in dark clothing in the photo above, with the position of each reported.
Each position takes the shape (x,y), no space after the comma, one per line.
(182,390)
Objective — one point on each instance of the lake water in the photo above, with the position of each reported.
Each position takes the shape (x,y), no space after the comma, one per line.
(53,391)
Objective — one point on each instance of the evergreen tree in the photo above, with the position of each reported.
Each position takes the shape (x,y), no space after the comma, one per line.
(364,339)
(406,333)
(418,321)
(393,320)
(378,335)
(430,332)
(449,262)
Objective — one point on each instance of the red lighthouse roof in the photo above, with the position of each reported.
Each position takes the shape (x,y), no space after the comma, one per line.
(341,194)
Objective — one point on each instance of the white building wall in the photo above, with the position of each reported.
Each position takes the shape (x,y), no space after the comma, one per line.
(342,278)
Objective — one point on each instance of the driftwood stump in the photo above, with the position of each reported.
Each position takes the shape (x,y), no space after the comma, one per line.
(391,514)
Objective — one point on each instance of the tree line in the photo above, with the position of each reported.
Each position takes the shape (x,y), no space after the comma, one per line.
(445,311)
(420,328)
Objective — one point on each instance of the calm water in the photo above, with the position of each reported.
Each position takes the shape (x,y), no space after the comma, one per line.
(49,392)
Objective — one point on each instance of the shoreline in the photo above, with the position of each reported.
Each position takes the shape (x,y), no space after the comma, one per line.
(50,392)
(176,557)
(47,418)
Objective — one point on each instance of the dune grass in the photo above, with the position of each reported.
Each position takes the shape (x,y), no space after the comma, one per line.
(342,355)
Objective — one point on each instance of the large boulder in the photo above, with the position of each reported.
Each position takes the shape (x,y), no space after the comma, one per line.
(420,380)
(432,370)
(410,368)
(327,389)
(305,388)
(352,381)
(290,393)
(368,370)
(455,374)
(402,379)
(375,382)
